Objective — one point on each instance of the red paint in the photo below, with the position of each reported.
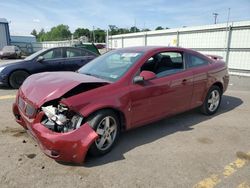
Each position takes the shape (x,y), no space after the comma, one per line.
(51,86)
(68,147)
(140,103)
(147,75)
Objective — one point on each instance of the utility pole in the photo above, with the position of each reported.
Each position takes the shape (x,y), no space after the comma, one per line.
(228,15)
(107,40)
(93,34)
(135,26)
(215,17)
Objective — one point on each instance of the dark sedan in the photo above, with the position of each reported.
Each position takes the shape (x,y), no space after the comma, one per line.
(53,59)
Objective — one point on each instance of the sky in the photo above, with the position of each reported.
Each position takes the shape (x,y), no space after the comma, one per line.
(26,15)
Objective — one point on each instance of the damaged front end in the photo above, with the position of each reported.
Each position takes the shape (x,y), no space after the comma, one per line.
(62,134)
(60,119)
(61,131)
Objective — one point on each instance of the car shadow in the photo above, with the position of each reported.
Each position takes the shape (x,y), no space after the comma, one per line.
(6,88)
(151,132)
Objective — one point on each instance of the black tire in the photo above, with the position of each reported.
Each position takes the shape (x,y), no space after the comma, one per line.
(17,78)
(96,122)
(206,107)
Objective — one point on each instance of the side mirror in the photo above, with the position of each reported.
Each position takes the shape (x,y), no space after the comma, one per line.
(144,76)
(138,79)
(40,59)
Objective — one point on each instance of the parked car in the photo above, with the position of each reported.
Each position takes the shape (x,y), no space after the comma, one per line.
(89,46)
(72,113)
(100,46)
(10,52)
(53,59)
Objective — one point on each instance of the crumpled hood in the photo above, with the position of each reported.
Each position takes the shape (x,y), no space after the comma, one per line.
(43,87)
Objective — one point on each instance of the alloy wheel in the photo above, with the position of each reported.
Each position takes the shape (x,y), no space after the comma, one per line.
(106,130)
(213,100)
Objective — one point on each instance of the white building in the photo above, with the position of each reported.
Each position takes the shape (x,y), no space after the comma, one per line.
(4,33)
(229,40)
(23,38)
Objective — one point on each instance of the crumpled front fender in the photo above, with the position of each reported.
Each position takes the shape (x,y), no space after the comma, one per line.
(68,147)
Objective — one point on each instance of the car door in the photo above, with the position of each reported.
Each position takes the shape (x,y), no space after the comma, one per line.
(75,58)
(199,67)
(169,93)
(52,60)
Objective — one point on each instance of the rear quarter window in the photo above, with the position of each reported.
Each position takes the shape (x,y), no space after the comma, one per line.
(195,61)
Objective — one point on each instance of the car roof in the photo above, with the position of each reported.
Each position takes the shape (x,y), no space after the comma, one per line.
(72,47)
(63,47)
(153,48)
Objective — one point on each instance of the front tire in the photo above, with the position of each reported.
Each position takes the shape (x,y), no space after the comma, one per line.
(17,78)
(107,126)
(212,101)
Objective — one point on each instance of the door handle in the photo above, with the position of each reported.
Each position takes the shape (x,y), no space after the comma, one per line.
(184,81)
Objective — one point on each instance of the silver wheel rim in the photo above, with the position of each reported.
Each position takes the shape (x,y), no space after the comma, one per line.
(106,130)
(213,100)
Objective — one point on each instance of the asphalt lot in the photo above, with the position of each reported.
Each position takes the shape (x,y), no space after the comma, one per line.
(187,150)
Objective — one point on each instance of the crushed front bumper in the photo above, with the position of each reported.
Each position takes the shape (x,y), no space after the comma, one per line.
(67,147)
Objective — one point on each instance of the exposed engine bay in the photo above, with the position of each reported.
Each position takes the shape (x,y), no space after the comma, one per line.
(60,119)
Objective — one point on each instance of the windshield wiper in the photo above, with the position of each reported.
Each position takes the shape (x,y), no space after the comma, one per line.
(89,74)
(94,75)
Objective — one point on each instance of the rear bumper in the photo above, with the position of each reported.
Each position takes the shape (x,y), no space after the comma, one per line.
(67,147)
(226,82)
(8,55)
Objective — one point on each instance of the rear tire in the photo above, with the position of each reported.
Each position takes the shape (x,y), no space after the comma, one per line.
(17,78)
(107,126)
(212,101)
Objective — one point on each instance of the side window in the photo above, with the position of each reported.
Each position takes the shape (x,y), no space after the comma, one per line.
(71,52)
(195,61)
(48,55)
(53,54)
(175,57)
(86,53)
(164,63)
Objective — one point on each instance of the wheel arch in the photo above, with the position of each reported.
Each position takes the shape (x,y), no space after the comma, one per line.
(219,84)
(118,112)
(11,72)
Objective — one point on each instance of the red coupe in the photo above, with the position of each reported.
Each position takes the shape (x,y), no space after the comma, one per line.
(72,113)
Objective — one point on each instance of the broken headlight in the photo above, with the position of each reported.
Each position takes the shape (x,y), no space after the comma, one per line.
(61,119)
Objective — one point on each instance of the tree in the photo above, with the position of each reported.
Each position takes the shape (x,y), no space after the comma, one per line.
(122,31)
(100,35)
(60,32)
(113,30)
(134,29)
(34,33)
(79,32)
(146,29)
(159,28)
(41,35)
